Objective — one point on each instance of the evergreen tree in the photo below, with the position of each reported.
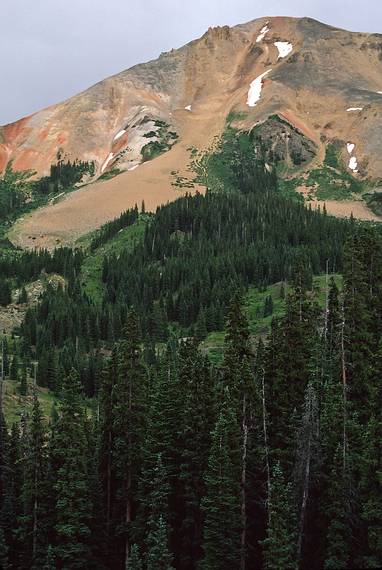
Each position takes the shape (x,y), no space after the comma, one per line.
(72,504)
(280,544)
(23,296)
(50,563)
(197,422)
(129,400)
(3,551)
(14,370)
(23,381)
(158,555)
(135,562)
(32,525)
(221,504)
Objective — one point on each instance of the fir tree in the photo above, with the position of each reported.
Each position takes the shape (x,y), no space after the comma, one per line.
(128,421)
(280,544)
(221,504)
(50,563)
(158,555)
(32,526)
(3,551)
(135,561)
(72,504)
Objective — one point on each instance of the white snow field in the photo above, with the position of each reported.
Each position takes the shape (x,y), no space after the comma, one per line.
(255,88)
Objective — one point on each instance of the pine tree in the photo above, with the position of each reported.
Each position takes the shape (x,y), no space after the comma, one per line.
(221,504)
(3,551)
(72,504)
(135,561)
(280,544)
(129,400)
(237,377)
(32,526)
(23,381)
(338,515)
(23,296)
(14,370)
(50,563)
(196,424)
(158,555)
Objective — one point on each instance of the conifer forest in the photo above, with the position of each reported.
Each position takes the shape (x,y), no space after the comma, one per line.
(156,453)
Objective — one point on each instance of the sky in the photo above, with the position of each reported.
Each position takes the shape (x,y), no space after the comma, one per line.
(51,50)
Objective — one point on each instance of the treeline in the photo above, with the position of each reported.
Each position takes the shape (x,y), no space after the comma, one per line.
(199,249)
(110,229)
(270,460)
(63,175)
(15,189)
(18,192)
(195,253)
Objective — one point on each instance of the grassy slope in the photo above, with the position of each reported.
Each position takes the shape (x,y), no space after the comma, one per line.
(15,405)
(330,181)
(92,267)
(259,325)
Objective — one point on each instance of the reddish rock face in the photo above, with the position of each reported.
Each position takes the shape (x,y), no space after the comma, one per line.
(327,71)
(307,73)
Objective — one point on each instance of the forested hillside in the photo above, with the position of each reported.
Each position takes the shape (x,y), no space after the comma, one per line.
(155,456)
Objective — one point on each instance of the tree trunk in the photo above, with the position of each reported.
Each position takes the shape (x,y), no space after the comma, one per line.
(243,486)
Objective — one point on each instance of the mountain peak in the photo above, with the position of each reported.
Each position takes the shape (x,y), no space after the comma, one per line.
(324,82)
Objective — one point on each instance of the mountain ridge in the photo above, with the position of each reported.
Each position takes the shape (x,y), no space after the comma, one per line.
(326,87)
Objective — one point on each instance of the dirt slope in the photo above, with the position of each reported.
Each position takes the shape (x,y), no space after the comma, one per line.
(312,75)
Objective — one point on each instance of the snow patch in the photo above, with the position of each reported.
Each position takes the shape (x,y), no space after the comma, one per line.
(355,109)
(133,167)
(255,88)
(353,165)
(264,30)
(284,48)
(109,158)
(379,92)
(350,147)
(188,108)
(119,134)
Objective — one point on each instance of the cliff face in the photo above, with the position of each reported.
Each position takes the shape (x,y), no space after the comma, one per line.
(324,82)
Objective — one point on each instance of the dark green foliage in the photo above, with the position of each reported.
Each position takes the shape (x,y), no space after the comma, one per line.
(3,551)
(23,297)
(155,458)
(71,487)
(222,527)
(112,228)
(64,175)
(268,306)
(158,556)
(280,544)
(5,293)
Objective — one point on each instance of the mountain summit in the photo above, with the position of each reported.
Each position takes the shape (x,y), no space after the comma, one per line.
(321,84)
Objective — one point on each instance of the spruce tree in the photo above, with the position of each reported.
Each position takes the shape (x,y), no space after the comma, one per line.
(338,515)
(135,561)
(222,504)
(72,501)
(280,548)
(129,401)
(158,555)
(32,524)
(3,551)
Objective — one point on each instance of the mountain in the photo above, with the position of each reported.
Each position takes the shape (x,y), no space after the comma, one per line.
(306,83)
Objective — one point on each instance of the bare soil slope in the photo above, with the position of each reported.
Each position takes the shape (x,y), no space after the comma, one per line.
(325,82)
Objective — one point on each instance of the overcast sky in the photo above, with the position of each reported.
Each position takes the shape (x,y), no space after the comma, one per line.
(52,49)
